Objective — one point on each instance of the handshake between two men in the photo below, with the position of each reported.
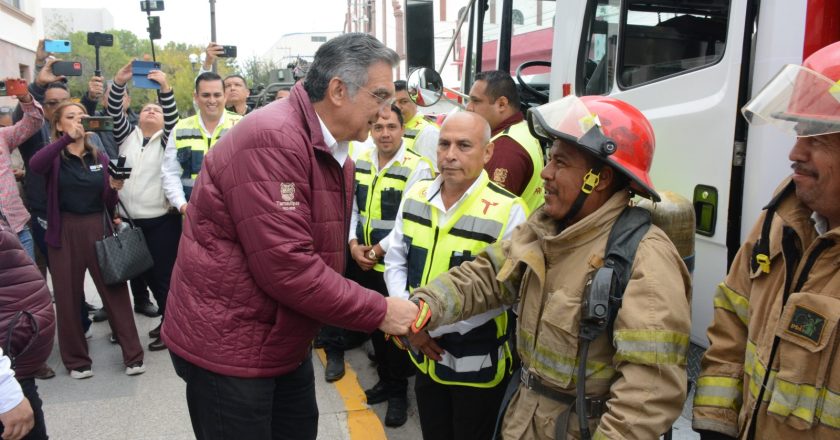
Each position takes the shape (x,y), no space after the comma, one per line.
(400,315)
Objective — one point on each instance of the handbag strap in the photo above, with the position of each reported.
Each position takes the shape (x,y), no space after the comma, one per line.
(7,349)
(127,215)
(107,223)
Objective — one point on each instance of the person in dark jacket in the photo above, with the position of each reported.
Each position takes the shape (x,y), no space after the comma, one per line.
(263,249)
(26,310)
(50,91)
(81,196)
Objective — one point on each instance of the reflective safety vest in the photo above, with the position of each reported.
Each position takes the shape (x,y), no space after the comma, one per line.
(413,127)
(533,193)
(191,145)
(378,196)
(479,357)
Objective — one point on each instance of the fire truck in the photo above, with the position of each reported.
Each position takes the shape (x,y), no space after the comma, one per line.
(689,66)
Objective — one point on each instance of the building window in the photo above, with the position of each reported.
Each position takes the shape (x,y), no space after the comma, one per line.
(517,17)
(319,39)
(24,72)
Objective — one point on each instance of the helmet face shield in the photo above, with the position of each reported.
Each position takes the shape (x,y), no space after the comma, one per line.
(799,101)
(569,119)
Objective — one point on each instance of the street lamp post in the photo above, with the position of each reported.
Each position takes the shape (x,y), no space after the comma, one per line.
(194,61)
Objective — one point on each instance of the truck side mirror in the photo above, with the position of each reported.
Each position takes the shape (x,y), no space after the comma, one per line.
(425,87)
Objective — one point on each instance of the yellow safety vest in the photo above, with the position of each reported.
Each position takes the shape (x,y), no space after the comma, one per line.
(479,357)
(413,127)
(533,193)
(378,196)
(191,145)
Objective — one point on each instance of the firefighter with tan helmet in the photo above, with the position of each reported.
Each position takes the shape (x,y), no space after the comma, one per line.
(588,353)
(774,335)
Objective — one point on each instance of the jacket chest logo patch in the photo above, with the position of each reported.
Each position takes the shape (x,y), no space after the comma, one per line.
(806,323)
(500,175)
(287,193)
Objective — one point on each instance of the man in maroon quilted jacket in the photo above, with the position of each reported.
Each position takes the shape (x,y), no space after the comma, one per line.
(263,249)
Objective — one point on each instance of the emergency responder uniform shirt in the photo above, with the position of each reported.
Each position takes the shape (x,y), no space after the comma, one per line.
(643,373)
(797,301)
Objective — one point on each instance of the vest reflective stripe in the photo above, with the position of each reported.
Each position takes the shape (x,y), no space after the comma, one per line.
(378,196)
(561,369)
(756,371)
(468,363)
(413,127)
(533,193)
(480,357)
(719,391)
(728,299)
(192,145)
(650,347)
(598,435)
(829,412)
(787,399)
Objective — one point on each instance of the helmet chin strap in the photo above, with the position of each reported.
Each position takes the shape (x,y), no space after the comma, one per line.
(590,181)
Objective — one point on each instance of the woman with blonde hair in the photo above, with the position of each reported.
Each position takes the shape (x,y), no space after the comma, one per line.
(79,190)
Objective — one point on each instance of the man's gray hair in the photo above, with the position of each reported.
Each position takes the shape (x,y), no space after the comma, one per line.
(347,57)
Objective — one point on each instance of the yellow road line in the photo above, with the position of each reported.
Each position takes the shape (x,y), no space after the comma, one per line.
(362,422)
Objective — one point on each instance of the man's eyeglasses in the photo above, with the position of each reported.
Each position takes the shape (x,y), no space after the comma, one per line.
(381,97)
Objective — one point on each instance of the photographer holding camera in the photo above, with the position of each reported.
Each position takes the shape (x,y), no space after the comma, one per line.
(142,193)
(80,197)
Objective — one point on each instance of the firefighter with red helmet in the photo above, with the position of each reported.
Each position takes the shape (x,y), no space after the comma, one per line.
(623,373)
(772,369)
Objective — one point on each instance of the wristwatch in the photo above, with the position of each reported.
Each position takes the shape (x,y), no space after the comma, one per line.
(372,255)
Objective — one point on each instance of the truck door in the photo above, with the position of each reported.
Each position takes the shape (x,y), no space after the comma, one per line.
(681,64)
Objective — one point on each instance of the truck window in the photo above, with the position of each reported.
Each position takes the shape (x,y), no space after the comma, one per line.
(668,37)
(597,55)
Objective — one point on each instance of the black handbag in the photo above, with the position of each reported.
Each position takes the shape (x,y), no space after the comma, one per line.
(124,255)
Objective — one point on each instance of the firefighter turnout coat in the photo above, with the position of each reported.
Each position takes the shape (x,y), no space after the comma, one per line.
(776,330)
(640,366)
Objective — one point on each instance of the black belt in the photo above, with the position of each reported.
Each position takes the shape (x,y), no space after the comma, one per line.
(595,406)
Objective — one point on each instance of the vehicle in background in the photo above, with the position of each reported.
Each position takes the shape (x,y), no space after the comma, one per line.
(689,66)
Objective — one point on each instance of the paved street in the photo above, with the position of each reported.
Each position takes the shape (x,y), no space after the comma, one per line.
(111,405)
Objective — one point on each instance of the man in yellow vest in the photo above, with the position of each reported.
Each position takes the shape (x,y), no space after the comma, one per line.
(420,135)
(443,222)
(383,176)
(518,157)
(193,137)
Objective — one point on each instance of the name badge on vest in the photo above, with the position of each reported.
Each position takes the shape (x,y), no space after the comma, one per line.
(96,168)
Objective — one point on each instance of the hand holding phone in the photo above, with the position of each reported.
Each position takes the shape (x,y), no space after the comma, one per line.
(13,87)
(67,68)
(140,72)
(57,46)
(228,52)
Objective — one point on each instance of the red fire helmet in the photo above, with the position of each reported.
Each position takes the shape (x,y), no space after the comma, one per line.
(803,100)
(609,129)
